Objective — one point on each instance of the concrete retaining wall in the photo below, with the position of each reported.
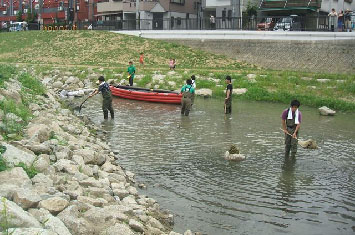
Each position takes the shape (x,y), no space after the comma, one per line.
(333,56)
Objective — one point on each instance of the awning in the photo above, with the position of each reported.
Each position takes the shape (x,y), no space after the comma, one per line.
(109,13)
(288,9)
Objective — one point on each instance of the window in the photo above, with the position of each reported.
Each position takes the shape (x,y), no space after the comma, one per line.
(178,21)
(181,2)
(224,12)
(172,22)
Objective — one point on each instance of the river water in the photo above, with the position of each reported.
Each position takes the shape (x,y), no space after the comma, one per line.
(180,160)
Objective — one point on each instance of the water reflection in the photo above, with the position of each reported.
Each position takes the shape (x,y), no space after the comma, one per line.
(287,179)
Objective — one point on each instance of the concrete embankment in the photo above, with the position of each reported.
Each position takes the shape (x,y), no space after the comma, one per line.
(62,178)
(302,51)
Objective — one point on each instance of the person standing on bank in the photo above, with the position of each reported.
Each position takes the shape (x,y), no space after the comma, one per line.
(131,72)
(105,90)
(188,92)
(291,122)
(228,99)
(333,16)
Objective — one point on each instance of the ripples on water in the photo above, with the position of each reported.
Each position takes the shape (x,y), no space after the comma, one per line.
(180,160)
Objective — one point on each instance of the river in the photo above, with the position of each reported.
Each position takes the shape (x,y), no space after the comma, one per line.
(180,160)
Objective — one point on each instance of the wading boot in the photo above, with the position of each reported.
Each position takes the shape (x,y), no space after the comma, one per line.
(106,114)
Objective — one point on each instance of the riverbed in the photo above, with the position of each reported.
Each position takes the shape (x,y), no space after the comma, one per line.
(180,160)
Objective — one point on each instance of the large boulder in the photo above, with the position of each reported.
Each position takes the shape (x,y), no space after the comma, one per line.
(16,176)
(136,226)
(42,163)
(67,166)
(14,155)
(16,216)
(325,111)
(72,219)
(11,94)
(204,92)
(49,221)
(31,231)
(38,132)
(118,229)
(54,204)
(234,157)
(90,156)
(26,198)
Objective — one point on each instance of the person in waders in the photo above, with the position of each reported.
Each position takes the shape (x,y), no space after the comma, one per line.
(291,122)
(228,99)
(131,72)
(105,90)
(188,93)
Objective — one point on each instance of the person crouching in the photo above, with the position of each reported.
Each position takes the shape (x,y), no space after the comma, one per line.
(188,93)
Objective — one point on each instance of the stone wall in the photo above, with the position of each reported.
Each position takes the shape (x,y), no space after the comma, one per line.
(330,56)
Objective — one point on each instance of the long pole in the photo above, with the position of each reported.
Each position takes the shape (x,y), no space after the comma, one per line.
(137,15)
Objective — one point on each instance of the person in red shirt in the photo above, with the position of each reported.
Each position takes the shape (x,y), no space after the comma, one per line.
(291,123)
(141,59)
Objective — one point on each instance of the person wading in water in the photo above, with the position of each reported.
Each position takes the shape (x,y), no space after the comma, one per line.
(228,99)
(104,88)
(188,93)
(291,122)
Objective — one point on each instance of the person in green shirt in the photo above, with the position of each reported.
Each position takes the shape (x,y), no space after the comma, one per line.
(131,71)
(188,92)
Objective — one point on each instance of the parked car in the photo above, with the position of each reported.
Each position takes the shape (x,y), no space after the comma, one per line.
(267,24)
(289,23)
(18,26)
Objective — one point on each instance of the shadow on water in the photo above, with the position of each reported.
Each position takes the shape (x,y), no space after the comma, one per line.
(181,161)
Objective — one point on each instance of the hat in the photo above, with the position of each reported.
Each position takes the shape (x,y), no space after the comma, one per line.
(101,78)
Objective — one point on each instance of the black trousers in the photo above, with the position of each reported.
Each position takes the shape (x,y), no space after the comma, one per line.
(131,81)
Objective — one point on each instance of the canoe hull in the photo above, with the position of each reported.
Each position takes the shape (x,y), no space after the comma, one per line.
(150,96)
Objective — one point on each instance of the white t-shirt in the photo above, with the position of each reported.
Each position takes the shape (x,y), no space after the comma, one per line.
(193,84)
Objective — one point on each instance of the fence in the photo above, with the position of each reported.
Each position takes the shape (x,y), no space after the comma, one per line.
(309,23)
(298,23)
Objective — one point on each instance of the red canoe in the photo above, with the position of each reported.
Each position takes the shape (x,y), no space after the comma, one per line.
(136,93)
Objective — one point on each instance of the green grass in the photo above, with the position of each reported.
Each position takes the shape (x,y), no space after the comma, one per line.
(89,51)
(31,87)
(30,170)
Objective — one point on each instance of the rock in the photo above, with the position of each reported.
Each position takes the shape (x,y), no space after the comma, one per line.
(73,221)
(39,148)
(158,78)
(72,80)
(66,166)
(204,92)
(90,156)
(240,91)
(42,163)
(26,198)
(308,144)
(38,132)
(31,231)
(172,83)
(14,155)
(57,85)
(55,224)
(132,190)
(136,226)
(54,204)
(16,176)
(325,111)
(174,233)
(323,80)
(251,76)
(121,193)
(90,182)
(11,117)
(155,223)
(188,232)
(234,157)
(16,216)
(98,202)
(108,167)
(306,78)
(11,94)
(41,179)
(118,229)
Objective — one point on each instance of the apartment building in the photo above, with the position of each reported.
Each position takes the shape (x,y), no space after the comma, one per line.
(49,11)
(152,14)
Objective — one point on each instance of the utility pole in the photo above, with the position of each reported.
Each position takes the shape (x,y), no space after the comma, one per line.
(138,26)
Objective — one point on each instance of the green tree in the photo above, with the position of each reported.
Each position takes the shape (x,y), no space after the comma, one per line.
(251,8)
(19,16)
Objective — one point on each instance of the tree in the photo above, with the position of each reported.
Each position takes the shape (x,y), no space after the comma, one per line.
(19,16)
(251,8)
(31,16)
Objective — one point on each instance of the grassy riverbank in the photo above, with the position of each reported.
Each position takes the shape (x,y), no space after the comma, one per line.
(90,53)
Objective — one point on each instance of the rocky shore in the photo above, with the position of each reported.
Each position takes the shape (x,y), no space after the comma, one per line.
(62,178)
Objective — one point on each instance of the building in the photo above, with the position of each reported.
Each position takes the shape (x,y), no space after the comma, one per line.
(152,14)
(49,11)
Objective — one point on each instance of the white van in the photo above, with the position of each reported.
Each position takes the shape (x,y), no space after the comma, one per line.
(18,26)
